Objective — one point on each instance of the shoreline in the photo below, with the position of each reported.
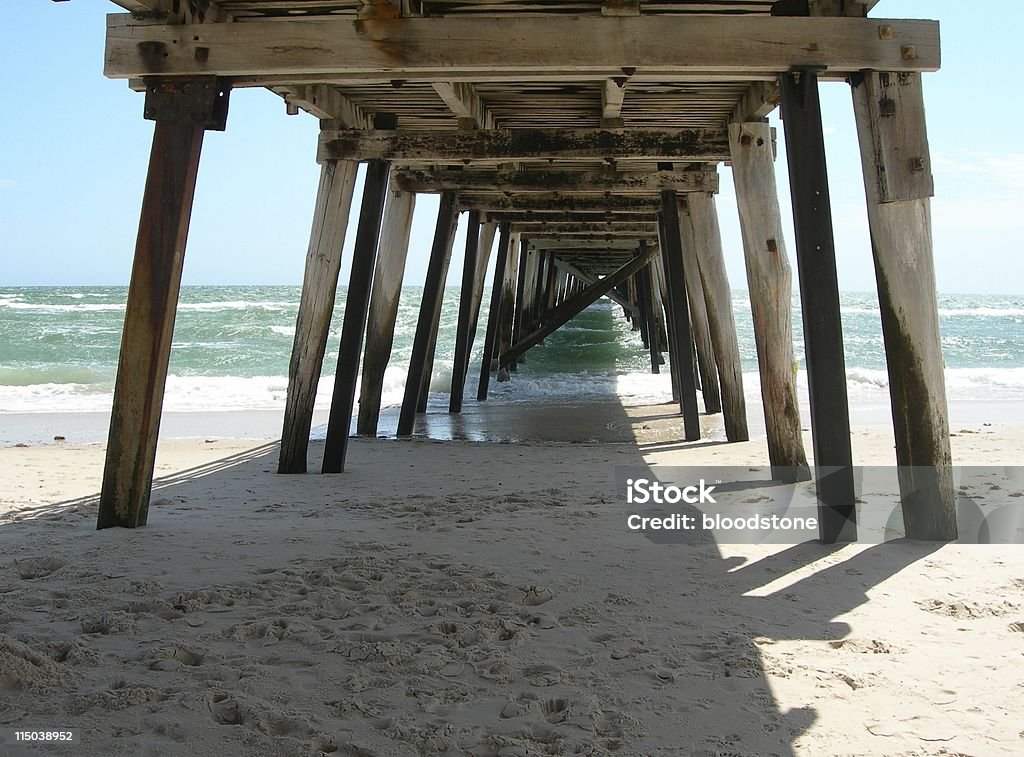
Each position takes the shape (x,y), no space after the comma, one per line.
(578,420)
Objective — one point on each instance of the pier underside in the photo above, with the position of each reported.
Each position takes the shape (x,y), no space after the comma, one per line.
(581,142)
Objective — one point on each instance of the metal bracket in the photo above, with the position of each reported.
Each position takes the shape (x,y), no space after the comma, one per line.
(200,102)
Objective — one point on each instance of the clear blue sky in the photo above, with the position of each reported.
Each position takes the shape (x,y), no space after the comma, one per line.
(75,150)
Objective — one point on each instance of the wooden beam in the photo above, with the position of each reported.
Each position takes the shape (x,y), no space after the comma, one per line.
(760,99)
(649,315)
(770,283)
(430,311)
(491,334)
(488,233)
(525,277)
(565,312)
(587,278)
(534,144)
(555,203)
(819,300)
(560,245)
(679,332)
(709,384)
(549,186)
(511,291)
(192,12)
(590,229)
(463,48)
(149,316)
(316,307)
(718,296)
(462,99)
(899,213)
(385,293)
(613,92)
(463,340)
(326,103)
(571,216)
(364,258)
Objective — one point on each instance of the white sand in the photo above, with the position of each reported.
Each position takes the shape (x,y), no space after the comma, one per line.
(482,598)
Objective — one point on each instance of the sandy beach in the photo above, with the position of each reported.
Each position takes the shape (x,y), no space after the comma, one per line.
(485,598)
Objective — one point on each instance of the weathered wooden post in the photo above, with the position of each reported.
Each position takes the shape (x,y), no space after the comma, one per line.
(889,109)
(651,325)
(523,284)
(384,299)
(357,299)
(488,232)
(463,333)
(642,320)
(550,287)
(769,281)
(544,275)
(661,294)
(491,335)
(819,298)
(428,371)
(681,334)
(707,236)
(183,110)
(699,316)
(316,307)
(430,310)
(506,307)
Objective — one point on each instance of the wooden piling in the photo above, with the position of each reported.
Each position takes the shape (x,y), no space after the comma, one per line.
(384,299)
(648,314)
(149,323)
(641,316)
(699,316)
(819,298)
(575,305)
(769,281)
(491,335)
(356,303)
(316,307)
(661,290)
(550,288)
(889,109)
(681,334)
(521,295)
(430,311)
(506,305)
(707,238)
(463,333)
(488,233)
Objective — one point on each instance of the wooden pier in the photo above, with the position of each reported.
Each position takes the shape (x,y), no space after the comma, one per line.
(583,140)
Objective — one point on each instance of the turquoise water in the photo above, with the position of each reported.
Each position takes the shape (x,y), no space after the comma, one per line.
(59,347)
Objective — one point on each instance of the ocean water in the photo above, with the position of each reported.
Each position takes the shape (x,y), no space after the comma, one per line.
(59,348)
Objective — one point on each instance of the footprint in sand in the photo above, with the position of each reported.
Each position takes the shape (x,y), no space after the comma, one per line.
(543,675)
(38,567)
(555,710)
(536,595)
(176,658)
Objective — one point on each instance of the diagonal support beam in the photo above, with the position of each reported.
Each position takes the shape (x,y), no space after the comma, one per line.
(571,307)
(586,278)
